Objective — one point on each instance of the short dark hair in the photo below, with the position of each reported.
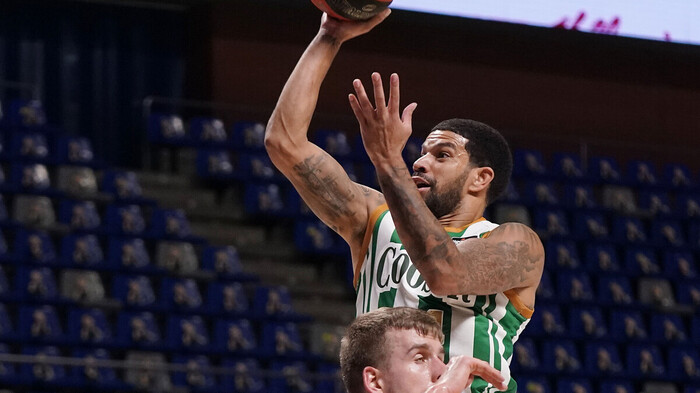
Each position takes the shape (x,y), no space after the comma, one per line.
(364,341)
(486,148)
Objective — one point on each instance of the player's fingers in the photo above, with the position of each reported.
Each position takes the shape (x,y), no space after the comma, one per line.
(488,373)
(361,95)
(394,93)
(355,105)
(407,116)
(379,100)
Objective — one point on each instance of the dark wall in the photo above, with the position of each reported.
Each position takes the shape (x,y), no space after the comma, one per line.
(544,88)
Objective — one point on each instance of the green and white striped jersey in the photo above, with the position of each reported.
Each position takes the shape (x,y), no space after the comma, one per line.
(484,327)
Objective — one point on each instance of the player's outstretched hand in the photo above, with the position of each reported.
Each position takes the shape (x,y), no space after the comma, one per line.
(460,374)
(342,30)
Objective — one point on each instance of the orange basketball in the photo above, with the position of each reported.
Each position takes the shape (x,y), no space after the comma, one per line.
(352,9)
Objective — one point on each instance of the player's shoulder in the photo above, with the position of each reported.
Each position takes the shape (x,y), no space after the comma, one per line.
(516,231)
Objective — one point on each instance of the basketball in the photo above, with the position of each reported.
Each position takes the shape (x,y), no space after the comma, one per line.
(352,9)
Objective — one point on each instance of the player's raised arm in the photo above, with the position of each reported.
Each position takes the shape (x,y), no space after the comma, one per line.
(323,184)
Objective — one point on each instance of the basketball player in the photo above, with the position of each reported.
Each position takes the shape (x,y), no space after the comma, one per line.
(422,242)
(399,350)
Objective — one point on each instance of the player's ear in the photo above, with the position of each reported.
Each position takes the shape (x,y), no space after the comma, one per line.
(482,179)
(372,379)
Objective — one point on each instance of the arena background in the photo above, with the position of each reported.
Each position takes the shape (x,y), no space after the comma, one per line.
(105,71)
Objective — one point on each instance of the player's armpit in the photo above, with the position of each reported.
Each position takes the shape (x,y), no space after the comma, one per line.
(327,189)
(511,257)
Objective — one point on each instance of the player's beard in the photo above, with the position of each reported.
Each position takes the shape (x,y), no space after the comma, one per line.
(445,201)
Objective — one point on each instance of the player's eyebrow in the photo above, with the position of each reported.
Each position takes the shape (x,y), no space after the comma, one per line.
(449,145)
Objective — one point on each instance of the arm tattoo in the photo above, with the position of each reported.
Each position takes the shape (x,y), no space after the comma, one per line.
(324,185)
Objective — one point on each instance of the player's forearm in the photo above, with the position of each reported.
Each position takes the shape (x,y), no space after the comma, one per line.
(429,246)
(290,120)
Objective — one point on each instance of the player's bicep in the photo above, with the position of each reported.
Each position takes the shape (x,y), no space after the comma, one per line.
(329,192)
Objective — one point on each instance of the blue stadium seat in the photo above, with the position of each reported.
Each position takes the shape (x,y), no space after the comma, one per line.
(526,358)
(8,371)
(153,379)
(567,166)
(281,339)
(187,332)
(91,374)
(37,283)
(587,322)
(208,131)
(680,265)
(295,378)
(39,323)
(7,330)
(590,224)
(236,336)
(80,215)
(629,230)
(602,257)
(170,223)
(616,386)
(134,291)
(25,114)
(668,328)
(258,167)
(40,371)
(315,237)
(528,163)
(139,329)
(181,294)
(627,325)
(89,326)
(615,290)
(551,222)
(29,146)
(77,181)
(574,286)
(223,260)
(579,196)
(33,178)
(73,150)
(688,293)
(684,363)
(677,176)
(295,207)
(561,357)
(695,329)
(264,199)
(34,246)
(540,193)
(411,152)
(228,298)
(198,374)
(547,322)
(126,220)
(531,384)
(641,173)
(246,376)
(603,358)
(667,233)
(604,169)
(546,290)
(6,291)
(568,385)
(645,361)
(687,205)
(248,135)
(82,250)
(270,302)
(167,129)
(216,165)
(655,202)
(694,234)
(129,253)
(563,253)
(121,184)
(641,261)
(334,142)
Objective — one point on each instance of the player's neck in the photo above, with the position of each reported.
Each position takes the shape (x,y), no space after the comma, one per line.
(470,210)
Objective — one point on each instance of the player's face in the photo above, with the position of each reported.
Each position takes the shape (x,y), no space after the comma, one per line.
(413,362)
(442,171)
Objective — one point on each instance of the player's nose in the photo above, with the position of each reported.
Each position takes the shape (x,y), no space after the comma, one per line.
(419,165)
(437,368)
